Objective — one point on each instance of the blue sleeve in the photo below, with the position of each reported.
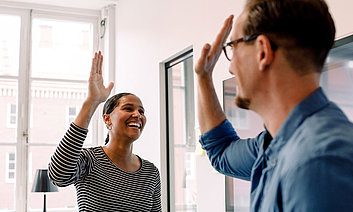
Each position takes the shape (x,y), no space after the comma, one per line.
(322,184)
(229,154)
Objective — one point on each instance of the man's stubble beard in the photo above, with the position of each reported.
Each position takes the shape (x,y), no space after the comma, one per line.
(243,103)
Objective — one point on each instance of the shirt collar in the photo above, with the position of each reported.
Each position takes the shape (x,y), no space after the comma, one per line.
(311,104)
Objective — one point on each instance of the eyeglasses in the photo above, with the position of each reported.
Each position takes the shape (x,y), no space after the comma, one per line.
(228,47)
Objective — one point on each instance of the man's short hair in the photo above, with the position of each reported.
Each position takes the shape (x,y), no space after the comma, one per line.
(303,28)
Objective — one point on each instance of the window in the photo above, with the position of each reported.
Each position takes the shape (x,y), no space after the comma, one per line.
(36,112)
(10,167)
(71,114)
(12,117)
(180,132)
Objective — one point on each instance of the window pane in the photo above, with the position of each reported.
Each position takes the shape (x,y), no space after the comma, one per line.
(183,141)
(63,200)
(9,65)
(12,157)
(9,45)
(50,112)
(7,179)
(12,119)
(11,175)
(61,49)
(61,62)
(62,52)
(337,78)
(13,109)
(12,166)
(72,111)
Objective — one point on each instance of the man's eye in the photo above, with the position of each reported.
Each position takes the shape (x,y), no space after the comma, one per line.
(142,112)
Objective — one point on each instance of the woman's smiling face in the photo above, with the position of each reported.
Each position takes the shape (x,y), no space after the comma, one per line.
(128,118)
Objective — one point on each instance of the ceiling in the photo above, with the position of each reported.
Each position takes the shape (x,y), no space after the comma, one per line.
(83,4)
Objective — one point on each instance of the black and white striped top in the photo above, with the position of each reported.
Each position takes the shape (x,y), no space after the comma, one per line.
(100,184)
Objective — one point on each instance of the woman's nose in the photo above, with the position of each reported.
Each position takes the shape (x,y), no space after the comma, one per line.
(136,114)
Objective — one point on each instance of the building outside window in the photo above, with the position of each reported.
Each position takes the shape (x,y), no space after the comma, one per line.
(10,167)
(71,114)
(11,117)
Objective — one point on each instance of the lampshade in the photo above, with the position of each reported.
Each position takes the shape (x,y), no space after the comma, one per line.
(42,183)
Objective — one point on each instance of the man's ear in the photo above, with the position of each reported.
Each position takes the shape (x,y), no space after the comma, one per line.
(265,54)
(106,118)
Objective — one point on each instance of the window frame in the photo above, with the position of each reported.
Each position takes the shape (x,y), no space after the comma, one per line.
(26,13)
(167,149)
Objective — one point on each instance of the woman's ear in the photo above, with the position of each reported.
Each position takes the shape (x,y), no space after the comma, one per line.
(265,54)
(106,118)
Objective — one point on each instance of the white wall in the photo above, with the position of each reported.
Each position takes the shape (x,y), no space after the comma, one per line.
(342,15)
(149,31)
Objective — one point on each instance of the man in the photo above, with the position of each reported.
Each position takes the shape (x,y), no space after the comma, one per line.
(303,161)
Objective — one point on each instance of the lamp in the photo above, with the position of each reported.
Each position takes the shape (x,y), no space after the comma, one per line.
(43,184)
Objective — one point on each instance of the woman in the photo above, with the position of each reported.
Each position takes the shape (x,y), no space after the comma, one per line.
(108,178)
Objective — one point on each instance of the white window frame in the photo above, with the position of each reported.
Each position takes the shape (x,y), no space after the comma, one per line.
(26,12)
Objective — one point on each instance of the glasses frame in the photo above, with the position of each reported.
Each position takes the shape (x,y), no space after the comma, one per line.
(235,42)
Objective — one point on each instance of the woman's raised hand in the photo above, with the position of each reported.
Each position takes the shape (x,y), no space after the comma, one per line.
(97,92)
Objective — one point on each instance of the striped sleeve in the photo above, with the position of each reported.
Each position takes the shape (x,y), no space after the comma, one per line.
(68,163)
(157,207)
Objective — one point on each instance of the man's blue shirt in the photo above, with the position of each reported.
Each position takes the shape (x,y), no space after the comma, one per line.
(308,165)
